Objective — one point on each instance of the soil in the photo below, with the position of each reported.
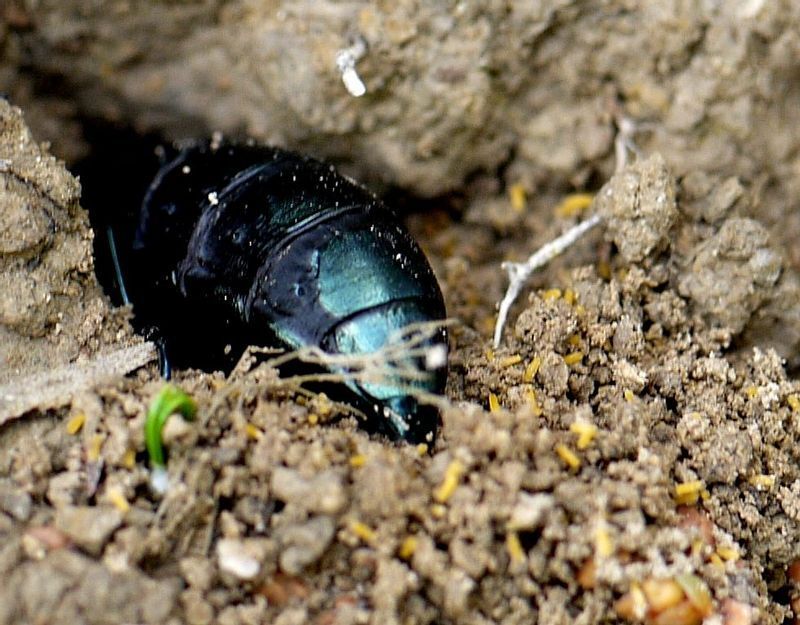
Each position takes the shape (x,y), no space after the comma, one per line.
(632,444)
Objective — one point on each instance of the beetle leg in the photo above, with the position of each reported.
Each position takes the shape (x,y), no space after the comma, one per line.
(154,335)
(164,365)
(112,246)
(163,359)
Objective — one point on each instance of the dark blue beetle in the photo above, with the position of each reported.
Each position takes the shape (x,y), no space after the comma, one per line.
(240,244)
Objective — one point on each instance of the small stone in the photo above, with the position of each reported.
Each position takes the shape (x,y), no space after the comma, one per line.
(280,589)
(37,541)
(33,549)
(196,610)
(721,199)
(323,493)
(292,616)
(14,501)
(240,558)
(198,572)
(304,544)
(530,510)
(457,590)
(178,430)
(47,536)
(63,488)
(89,527)
(736,613)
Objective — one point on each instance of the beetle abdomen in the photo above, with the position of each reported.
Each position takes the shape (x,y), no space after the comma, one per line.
(285,251)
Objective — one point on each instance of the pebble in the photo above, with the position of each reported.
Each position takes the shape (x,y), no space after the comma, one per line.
(89,527)
(38,540)
(530,510)
(323,493)
(196,609)
(63,488)
(240,558)
(304,544)
(14,501)
(198,572)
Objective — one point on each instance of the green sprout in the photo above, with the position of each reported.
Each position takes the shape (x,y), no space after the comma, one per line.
(170,399)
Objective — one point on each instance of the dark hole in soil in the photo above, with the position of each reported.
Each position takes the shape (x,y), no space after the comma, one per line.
(529,538)
(114,179)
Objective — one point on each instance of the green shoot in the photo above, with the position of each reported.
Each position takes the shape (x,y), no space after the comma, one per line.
(170,399)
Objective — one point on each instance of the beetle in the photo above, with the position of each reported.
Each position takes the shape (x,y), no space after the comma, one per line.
(240,244)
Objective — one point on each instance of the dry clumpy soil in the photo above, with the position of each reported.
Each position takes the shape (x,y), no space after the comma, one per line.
(274,515)
(638,427)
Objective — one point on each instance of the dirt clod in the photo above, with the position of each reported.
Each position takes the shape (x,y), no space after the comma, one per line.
(638,207)
(732,273)
(89,527)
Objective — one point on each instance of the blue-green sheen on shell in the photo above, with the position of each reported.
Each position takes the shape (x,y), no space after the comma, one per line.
(242,244)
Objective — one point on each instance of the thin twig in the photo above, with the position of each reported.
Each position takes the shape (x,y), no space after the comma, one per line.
(518,273)
(396,362)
